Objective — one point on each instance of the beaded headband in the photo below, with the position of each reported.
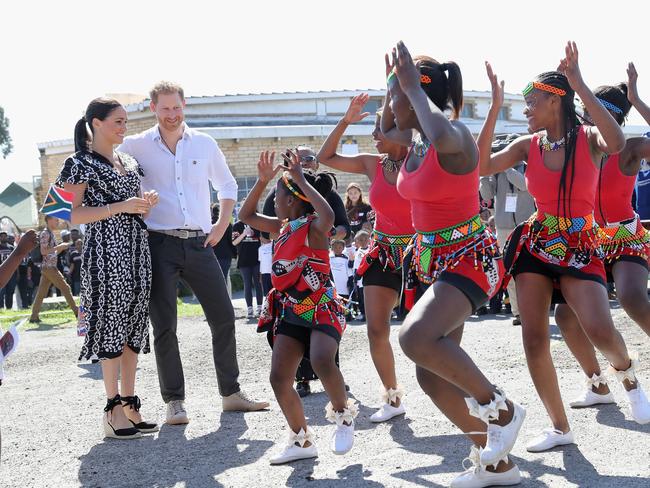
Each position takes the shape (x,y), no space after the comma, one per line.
(609,106)
(424,79)
(544,87)
(293,189)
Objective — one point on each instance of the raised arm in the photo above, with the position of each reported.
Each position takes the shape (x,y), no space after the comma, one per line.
(25,245)
(633,93)
(360,163)
(489,163)
(266,170)
(607,135)
(445,137)
(387,122)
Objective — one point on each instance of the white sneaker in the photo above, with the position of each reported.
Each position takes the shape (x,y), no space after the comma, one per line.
(500,440)
(250,314)
(548,439)
(478,477)
(176,413)
(639,405)
(590,397)
(342,439)
(387,412)
(294,449)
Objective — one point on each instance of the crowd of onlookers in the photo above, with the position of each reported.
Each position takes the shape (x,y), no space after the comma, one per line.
(25,281)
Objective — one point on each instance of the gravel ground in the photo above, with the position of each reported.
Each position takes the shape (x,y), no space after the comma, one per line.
(52,408)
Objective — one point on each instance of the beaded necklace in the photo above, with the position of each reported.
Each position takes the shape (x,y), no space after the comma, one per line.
(549,146)
(391,165)
(420,147)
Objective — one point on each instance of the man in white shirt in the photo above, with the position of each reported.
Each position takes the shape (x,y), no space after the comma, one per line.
(179,163)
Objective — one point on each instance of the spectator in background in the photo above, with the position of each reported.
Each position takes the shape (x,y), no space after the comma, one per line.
(75,267)
(247,241)
(512,205)
(25,284)
(7,292)
(341,269)
(63,259)
(225,251)
(50,275)
(361,241)
(75,235)
(265,257)
(357,210)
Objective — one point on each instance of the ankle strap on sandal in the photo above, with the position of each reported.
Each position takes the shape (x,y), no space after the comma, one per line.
(133,401)
(111,403)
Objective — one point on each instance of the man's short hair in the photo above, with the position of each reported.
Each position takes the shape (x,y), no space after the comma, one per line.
(165,87)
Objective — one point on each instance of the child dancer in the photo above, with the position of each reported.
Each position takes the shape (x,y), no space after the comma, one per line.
(302,309)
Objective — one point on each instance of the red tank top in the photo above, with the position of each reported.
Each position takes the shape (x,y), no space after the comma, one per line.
(438,198)
(543,184)
(614,195)
(392,211)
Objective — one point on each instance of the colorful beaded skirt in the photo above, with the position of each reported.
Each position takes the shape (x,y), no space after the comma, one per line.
(388,249)
(570,245)
(624,239)
(467,249)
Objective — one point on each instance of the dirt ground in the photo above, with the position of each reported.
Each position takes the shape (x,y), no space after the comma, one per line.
(52,407)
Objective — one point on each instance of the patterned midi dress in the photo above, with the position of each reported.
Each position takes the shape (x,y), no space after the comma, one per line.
(116,262)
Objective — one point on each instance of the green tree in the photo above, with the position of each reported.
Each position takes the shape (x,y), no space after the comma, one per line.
(5,139)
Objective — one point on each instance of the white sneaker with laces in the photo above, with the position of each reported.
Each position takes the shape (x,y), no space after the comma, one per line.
(295,448)
(343,437)
(548,439)
(476,476)
(500,439)
(590,398)
(176,413)
(639,405)
(387,410)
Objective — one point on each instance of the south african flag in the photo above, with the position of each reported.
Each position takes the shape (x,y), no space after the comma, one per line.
(58,203)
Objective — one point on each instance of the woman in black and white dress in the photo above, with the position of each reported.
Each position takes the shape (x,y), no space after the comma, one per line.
(116,263)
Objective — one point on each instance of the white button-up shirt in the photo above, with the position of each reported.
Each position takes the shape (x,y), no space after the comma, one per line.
(181,180)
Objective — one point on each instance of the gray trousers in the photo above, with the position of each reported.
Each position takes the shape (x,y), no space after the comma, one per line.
(172,259)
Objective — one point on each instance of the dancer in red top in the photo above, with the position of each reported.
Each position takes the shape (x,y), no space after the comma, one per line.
(556,254)
(455,252)
(382,265)
(302,309)
(626,244)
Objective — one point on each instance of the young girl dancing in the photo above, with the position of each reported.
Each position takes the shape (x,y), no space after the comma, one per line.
(302,309)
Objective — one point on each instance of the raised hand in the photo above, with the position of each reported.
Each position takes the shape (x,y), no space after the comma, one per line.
(632,90)
(405,69)
(293,166)
(570,68)
(497,87)
(389,64)
(354,114)
(266,167)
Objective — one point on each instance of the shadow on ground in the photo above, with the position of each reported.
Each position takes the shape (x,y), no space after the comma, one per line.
(171,458)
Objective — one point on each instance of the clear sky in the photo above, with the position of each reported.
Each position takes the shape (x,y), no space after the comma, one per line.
(57,56)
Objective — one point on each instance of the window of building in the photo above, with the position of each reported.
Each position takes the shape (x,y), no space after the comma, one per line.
(371,106)
(244,186)
(504,113)
(468,111)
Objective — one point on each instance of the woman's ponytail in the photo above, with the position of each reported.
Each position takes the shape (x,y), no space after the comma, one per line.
(81,136)
(455,87)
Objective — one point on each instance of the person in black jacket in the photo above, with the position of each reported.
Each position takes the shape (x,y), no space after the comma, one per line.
(224,250)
